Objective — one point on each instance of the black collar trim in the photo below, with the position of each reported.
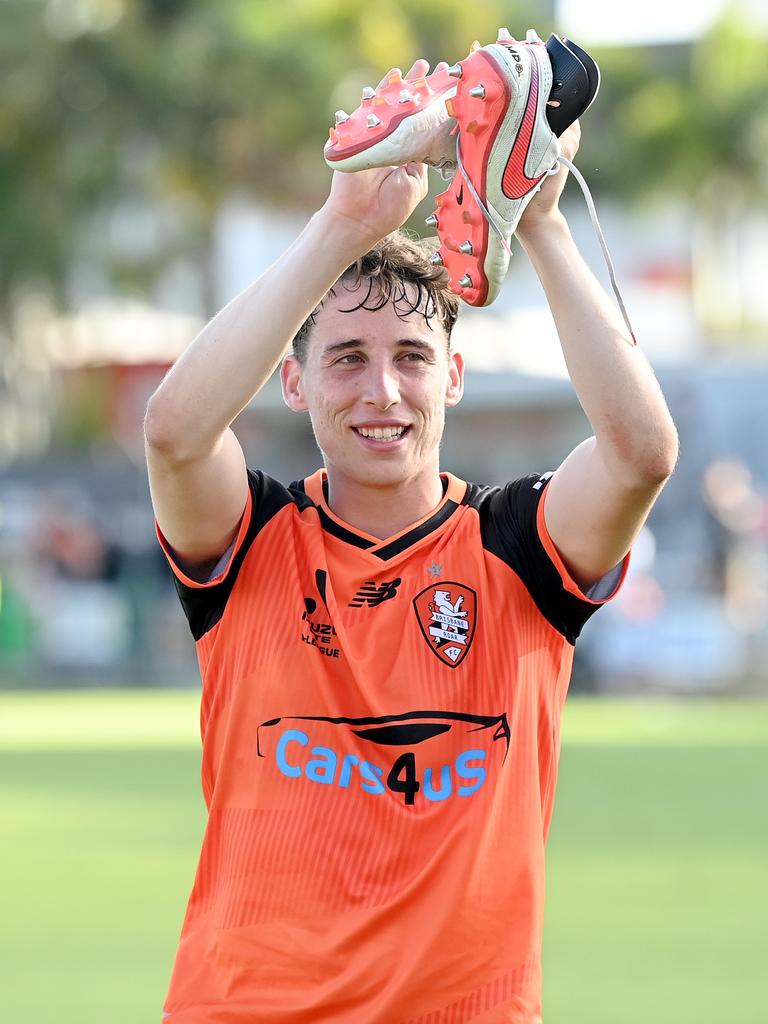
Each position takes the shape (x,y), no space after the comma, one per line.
(394,547)
(418,533)
(331,526)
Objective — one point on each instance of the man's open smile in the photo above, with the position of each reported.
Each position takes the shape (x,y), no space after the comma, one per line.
(381,436)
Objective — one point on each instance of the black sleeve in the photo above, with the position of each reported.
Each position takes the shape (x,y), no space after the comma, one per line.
(204,603)
(513,529)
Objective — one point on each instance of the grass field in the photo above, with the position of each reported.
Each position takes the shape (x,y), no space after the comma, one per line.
(658,859)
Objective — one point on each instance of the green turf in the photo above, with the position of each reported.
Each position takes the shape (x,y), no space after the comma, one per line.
(657,873)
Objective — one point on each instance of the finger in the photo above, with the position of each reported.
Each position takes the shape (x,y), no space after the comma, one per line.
(419,69)
(416,170)
(441,66)
(385,79)
(419,172)
(571,139)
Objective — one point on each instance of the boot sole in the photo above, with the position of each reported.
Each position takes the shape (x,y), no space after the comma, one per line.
(403,130)
(507,145)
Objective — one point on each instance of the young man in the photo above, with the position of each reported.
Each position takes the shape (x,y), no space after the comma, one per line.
(385,649)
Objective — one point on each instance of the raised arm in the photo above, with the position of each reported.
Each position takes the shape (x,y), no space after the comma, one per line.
(599,498)
(196,465)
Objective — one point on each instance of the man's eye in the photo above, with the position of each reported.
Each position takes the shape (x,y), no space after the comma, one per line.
(414,357)
(350,357)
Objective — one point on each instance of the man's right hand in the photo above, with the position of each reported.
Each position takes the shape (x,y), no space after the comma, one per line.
(376,202)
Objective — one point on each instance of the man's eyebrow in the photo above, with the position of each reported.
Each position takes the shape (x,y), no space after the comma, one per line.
(423,346)
(345,346)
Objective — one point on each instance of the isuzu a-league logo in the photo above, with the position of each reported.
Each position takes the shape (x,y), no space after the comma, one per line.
(447,613)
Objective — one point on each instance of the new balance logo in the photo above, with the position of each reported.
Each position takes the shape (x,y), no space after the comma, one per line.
(372,594)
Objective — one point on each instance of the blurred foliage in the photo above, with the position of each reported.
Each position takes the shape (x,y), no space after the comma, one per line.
(678,118)
(105,104)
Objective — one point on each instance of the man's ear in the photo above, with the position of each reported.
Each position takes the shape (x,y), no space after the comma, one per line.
(455,387)
(290,378)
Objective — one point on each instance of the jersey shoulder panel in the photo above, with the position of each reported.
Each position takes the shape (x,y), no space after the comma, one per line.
(512,527)
(204,602)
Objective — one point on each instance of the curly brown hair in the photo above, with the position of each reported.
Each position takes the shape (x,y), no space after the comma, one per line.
(394,263)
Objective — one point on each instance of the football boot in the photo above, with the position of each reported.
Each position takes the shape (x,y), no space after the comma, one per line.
(403,120)
(513,99)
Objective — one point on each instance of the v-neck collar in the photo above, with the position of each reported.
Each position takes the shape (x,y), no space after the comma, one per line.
(316,488)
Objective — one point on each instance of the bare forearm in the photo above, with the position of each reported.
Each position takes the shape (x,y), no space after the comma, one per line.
(612,378)
(236,353)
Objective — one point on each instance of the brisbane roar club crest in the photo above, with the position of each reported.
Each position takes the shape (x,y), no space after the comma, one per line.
(447,613)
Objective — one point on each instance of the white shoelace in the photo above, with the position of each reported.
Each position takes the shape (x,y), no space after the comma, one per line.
(592,214)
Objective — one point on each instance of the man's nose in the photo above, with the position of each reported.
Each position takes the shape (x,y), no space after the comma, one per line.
(382,386)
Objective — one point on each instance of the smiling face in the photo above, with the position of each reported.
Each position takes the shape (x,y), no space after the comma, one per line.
(376,383)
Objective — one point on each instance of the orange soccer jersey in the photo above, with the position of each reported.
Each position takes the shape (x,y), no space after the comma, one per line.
(380,742)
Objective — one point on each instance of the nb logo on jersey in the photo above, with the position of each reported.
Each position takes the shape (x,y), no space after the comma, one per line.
(373,595)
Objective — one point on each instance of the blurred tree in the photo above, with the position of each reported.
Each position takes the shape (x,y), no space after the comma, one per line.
(673,118)
(691,122)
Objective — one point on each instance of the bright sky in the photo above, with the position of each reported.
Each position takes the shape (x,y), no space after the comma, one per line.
(605,21)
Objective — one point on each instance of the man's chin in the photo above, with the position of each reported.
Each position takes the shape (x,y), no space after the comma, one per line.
(375,473)
(389,475)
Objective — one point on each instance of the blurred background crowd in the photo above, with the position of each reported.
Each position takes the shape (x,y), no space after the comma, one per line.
(156,155)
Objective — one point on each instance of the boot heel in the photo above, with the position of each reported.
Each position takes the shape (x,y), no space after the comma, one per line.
(575,82)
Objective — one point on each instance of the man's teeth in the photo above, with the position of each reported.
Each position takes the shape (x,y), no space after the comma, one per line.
(382,433)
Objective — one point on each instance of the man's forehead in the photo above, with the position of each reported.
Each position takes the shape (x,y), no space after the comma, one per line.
(363,313)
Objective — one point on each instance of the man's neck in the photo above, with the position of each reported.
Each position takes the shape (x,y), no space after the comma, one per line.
(383,511)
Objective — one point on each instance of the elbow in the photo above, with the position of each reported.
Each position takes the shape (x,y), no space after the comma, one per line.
(155,432)
(655,462)
(176,438)
(660,469)
(161,433)
(666,452)
(643,462)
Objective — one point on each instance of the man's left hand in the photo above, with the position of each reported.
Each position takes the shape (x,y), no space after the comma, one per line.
(544,208)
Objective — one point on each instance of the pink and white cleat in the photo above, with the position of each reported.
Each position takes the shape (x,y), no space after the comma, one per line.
(404,120)
(508,94)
